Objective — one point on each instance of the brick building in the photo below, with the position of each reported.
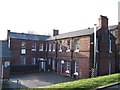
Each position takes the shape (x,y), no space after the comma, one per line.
(70,54)
(5,59)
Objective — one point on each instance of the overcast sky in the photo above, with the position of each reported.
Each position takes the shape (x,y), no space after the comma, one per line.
(42,16)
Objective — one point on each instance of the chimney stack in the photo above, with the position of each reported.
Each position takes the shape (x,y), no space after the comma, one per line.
(55,32)
(103,22)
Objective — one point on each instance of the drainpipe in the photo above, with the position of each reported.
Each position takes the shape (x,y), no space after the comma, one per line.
(95,28)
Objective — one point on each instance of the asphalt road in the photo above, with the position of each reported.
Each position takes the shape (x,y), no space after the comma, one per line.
(36,79)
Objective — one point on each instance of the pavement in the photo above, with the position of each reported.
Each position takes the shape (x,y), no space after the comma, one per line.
(36,79)
(115,86)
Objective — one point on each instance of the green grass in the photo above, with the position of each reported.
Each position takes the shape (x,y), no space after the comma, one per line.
(90,83)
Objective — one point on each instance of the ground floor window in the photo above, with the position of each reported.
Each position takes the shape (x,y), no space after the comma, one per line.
(33,61)
(41,64)
(53,64)
(49,61)
(76,68)
(23,60)
(109,67)
(67,67)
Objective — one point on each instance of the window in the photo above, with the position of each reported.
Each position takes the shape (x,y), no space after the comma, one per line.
(34,47)
(42,63)
(97,45)
(23,45)
(110,46)
(68,66)
(23,51)
(53,64)
(33,61)
(49,61)
(76,68)
(53,46)
(110,67)
(23,60)
(60,46)
(46,47)
(50,46)
(68,45)
(41,47)
(6,64)
(76,45)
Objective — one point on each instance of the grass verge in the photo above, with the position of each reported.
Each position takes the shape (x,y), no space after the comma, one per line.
(90,83)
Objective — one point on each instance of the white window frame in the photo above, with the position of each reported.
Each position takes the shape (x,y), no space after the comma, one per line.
(76,67)
(41,47)
(23,60)
(110,46)
(33,46)
(50,47)
(54,46)
(60,50)
(76,45)
(68,46)
(33,61)
(23,51)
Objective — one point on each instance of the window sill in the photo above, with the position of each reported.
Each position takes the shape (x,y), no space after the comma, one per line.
(33,50)
(60,50)
(67,50)
(67,71)
(40,49)
(97,51)
(76,73)
(110,51)
(53,50)
(76,50)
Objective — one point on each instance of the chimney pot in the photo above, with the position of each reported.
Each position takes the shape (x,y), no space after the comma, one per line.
(55,32)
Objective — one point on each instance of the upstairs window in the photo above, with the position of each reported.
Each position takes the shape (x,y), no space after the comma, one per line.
(110,46)
(68,45)
(23,45)
(23,51)
(33,61)
(41,47)
(54,47)
(34,47)
(76,45)
(50,46)
(60,46)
